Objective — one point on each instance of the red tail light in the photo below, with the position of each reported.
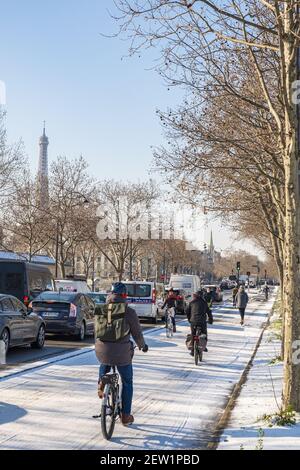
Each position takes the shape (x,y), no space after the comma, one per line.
(153,296)
(73,311)
(26,300)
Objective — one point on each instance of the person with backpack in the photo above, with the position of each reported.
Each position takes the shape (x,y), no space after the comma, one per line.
(198,312)
(115,322)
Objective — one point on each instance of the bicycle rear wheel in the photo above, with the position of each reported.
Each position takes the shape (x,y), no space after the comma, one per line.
(196,353)
(108,414)
(169,329)
(200,355)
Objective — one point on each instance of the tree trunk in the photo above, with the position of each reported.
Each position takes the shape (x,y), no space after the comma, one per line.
(291,387)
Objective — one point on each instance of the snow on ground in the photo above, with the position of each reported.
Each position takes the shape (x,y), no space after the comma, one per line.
(261,394)
(176,404)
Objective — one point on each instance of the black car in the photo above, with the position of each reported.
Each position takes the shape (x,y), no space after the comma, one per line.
(18,326)
(24,280)
(67,313)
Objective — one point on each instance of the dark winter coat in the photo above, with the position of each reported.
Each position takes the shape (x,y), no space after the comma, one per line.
(170,302)
(209,297)
(241,299)
(120,353)
(198,312)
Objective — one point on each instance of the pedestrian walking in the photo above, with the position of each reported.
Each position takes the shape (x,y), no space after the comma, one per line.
(234,294)
(241,301)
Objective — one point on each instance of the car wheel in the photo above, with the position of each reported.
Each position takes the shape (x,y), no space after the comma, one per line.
(40,339)
(5,337)
(82,332)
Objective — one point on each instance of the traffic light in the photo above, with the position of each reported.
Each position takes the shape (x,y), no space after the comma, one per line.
(238,266)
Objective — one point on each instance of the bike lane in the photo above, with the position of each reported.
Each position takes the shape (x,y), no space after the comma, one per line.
(176,404)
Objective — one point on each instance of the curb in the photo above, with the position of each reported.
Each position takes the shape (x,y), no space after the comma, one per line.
(44,363)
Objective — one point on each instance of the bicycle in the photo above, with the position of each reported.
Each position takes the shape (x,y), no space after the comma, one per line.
(111,408)
(169,324)
(200,343)
(112,403)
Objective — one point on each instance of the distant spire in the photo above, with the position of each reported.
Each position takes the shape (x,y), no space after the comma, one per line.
(211,245)
(44,132)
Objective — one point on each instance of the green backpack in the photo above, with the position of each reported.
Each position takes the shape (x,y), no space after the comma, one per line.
(110,324)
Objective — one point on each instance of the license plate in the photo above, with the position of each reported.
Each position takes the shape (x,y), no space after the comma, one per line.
(50,315)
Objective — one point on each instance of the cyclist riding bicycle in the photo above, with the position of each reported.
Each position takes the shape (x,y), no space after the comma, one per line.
(118,320)
(170,305)
(197,314)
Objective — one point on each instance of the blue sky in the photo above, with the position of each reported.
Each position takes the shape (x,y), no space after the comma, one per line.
(58,67)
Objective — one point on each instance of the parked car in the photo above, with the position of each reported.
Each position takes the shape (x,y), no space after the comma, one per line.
(24,280)
(98,297)
(67,313)
(18,326)
(217,293)
(224,285)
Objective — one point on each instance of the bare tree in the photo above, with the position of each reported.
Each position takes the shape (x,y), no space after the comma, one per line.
(201,39)
(23,220)
(72,192)
(123,214)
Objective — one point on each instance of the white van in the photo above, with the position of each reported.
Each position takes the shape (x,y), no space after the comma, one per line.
(72,285)
(187,283)
(141,295)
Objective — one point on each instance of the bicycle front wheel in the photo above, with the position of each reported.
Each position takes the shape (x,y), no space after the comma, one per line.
(108,415)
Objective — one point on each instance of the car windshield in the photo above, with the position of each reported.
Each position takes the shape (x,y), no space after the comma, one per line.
(98,298)
(56,296)
(138,290)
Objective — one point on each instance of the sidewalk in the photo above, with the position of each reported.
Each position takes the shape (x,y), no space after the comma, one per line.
(260,395)
(176,404)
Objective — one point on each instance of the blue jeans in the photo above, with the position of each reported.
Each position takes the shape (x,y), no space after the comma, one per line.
(126,373)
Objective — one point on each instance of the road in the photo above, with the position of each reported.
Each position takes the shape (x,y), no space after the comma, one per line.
(54,346)
(57,345)
(176,404)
